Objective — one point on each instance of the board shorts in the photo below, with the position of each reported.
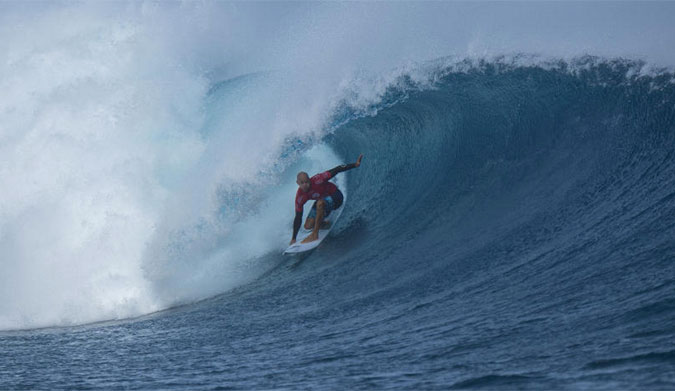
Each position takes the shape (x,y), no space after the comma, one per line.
(333,202)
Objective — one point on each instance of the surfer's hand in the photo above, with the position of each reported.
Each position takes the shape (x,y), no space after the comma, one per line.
(292,241)
(358,161)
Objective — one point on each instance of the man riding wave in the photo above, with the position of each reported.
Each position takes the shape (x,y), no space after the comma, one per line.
(327,195)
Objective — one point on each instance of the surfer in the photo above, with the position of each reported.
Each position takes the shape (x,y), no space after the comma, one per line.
(327,195)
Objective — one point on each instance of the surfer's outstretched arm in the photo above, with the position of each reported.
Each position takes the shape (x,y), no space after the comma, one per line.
(296,225)
(345,167)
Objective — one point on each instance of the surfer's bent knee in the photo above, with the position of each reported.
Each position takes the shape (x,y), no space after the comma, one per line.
(320,203)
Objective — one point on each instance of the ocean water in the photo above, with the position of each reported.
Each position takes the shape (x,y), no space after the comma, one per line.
(511,226)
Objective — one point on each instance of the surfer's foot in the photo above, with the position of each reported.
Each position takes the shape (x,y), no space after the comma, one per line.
(312,237)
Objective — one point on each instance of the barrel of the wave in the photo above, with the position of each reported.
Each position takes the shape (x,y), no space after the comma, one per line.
(327,207)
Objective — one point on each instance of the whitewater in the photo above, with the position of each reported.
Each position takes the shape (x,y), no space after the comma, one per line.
(510,227)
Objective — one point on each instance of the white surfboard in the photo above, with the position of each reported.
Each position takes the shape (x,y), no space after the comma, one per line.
(298,247)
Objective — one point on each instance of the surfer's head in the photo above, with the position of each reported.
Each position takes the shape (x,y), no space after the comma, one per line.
(303,181)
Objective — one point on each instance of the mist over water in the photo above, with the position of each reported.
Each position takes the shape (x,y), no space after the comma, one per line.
(148,150)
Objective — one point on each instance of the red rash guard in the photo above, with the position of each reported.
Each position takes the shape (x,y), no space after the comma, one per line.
(319,188)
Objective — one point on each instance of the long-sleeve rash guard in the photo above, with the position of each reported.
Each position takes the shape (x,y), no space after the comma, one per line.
(319,188)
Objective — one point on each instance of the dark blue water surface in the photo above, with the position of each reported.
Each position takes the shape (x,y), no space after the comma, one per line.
(511,228)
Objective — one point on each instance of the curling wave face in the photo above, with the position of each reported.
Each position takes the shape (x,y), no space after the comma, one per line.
(499,205)
(564,169)
(136,145)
